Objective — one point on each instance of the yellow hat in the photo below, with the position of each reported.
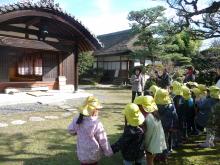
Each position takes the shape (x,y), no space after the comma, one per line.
(133,115)
(214,92)
(186,92)
(197,92)
(162,97)
(153,89)
(176,88)
(147,103)
(90,105)
(203,89)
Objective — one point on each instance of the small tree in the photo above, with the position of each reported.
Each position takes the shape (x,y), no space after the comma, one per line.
(86,61)
(145,25)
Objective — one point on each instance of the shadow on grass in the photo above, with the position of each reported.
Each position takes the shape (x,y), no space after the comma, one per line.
(59,149)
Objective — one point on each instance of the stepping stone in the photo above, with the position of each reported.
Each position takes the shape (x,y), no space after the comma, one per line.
(18,122)
(36,119)
(3,125)
(71,109)
(51,117)
(65,107)
(67,114)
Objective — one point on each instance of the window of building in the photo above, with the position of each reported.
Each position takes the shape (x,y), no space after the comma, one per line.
(124,66)
(30,65)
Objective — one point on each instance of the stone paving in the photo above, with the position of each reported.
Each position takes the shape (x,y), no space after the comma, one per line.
(37,119)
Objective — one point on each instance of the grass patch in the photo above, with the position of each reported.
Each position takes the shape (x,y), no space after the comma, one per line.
(48,143)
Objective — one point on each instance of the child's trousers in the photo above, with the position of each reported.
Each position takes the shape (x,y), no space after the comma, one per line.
(141,161)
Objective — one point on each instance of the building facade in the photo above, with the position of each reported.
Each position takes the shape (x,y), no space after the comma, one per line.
(40,43)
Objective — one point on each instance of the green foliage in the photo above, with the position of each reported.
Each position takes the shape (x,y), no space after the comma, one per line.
(155,40)
(145,24)
(85,62)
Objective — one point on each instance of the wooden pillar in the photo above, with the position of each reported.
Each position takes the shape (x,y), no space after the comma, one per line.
(76,68)
(120,62)
(60,65)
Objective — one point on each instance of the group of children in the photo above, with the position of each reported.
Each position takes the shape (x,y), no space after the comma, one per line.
(154,124)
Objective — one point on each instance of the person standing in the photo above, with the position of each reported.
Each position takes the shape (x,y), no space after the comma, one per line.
(190,75)
(131,143)
(137,82)
(164,80)
(154,134)
(92,141)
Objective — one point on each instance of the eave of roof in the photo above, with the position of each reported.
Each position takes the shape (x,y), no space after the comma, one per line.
(115,43)
(51,8)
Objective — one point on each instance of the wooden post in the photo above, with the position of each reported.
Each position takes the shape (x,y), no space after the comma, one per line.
(60,64)
(120,64)
(76,65)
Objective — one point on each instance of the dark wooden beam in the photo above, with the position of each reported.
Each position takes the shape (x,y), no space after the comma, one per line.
(68,21)
(30,31)
(33,44)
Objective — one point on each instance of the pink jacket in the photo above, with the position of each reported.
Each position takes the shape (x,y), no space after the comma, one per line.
(92,140)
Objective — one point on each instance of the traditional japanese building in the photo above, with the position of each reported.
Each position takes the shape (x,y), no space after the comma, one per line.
(40,43)
(113,58)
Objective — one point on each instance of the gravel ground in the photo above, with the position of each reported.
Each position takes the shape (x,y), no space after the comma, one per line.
(26,108)
(36,107)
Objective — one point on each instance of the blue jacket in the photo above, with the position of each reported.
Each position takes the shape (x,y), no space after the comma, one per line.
(205,109)
(168,116)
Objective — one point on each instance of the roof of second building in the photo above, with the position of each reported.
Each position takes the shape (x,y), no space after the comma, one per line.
(115,43)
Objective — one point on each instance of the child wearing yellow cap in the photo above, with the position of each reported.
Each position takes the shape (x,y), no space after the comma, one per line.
(131,142)
(168,117)
(154,134)
(92,140)
(188,113)
(206,117)
(178,102)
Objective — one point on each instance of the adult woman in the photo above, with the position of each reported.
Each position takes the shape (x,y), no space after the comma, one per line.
(137,83)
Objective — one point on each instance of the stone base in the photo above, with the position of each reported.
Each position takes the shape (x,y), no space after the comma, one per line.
(67,88)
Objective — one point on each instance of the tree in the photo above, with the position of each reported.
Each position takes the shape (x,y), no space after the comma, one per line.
(205,22)
(86,61)
(155,39)
(145,24)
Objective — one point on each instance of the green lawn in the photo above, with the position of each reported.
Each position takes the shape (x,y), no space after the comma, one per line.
(48,143)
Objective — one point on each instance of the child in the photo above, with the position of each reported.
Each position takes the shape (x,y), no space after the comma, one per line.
(178,103)
(168,116)
(203,91)
(206,115)
(153,89)
(154,134)
(189,112)
(131,142)
(91,136)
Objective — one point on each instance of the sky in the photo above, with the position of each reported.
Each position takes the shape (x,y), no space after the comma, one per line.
(106,16)
(102,16)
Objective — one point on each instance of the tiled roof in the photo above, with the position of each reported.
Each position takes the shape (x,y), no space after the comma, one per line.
(115,43)
(51,8)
